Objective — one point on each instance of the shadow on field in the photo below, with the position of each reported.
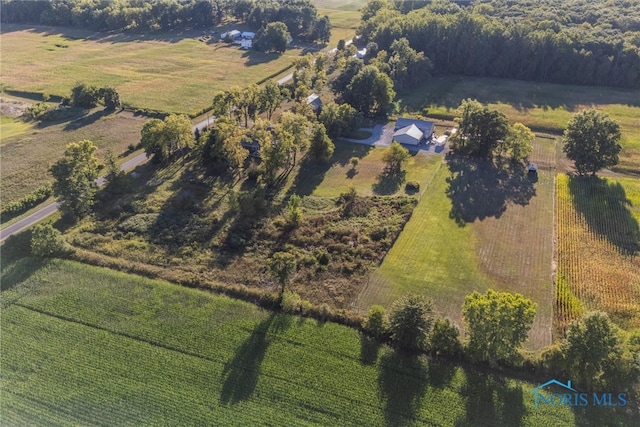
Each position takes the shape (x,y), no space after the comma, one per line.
(241,373)
(311,174)
(86,120)
(389,182)
(369,349)
(605,207)
(480,189)
(490,401)
(403,384)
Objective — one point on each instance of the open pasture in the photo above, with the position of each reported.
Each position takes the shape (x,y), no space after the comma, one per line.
(27,156)
(166,71)
(351,5)
(476,228)
(598,252)
(84,345)
(541,106)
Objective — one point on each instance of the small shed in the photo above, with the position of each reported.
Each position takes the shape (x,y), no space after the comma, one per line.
(361,53)
(409,135)
(246,44)
(315,102)
(249,35)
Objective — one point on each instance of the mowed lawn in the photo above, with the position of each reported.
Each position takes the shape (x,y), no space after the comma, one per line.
(541,106)
(89,346)
(471,231)
(166,71)
(28,155)
(368,178)
(598,248)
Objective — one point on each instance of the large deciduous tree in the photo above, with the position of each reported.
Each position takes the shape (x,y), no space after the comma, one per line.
(591,344)
(518,143)
(223,150)
(591,141)
(410,322)
(497,324)
(281,266)
(75,176)
(273,38)
(270,98)
(163,138)
(370,92)
(321,145)
(407,67)
(394,157)
(481,130)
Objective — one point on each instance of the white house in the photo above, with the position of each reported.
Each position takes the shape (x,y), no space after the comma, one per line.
(409,135)
(246,44)
(315,102)
(248,35)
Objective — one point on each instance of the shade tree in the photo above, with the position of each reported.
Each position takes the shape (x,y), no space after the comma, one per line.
(591,140)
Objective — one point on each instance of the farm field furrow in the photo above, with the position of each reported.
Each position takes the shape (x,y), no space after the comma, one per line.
(598,248)
(240,364)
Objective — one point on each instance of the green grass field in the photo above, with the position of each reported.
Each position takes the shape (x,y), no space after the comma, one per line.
(167,71)
(541,106)
(89,346)
(352,5)
(473,230)
(10,127)
(27,156)
(367,178)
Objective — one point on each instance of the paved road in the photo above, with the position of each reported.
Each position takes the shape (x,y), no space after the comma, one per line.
(49,209)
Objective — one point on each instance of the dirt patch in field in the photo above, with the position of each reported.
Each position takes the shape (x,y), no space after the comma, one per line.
(12,108)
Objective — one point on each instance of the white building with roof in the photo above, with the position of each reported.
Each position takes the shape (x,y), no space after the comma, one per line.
(409,135)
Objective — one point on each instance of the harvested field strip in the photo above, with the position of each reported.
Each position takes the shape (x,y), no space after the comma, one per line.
(84,345)
(598,248)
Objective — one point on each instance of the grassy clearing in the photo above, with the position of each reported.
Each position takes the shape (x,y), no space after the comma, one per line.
(26,157)
(344,23)
(10,127)
(84,345)
(474,229)
(368,177)
(541,106)
(339,4)
(165,71)
(598,248)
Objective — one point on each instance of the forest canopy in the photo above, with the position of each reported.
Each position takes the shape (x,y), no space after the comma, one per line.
(573,41)
(300,16)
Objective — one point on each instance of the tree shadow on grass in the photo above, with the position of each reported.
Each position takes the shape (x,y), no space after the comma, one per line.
(403,383)
(369,349)
(491,401)
(311,173)
(86,120)
(241,373)
(605,207)
(481,189)
(389,182)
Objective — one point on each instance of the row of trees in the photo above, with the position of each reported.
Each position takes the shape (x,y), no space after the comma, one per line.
(595,352)
(98,15)
(300,17)
(88,96)
(459,41)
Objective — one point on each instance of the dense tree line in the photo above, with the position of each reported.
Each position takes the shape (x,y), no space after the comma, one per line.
(98,15)
(300,16)
(474,42)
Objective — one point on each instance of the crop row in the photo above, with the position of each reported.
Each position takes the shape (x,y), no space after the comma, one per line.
(595,269)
